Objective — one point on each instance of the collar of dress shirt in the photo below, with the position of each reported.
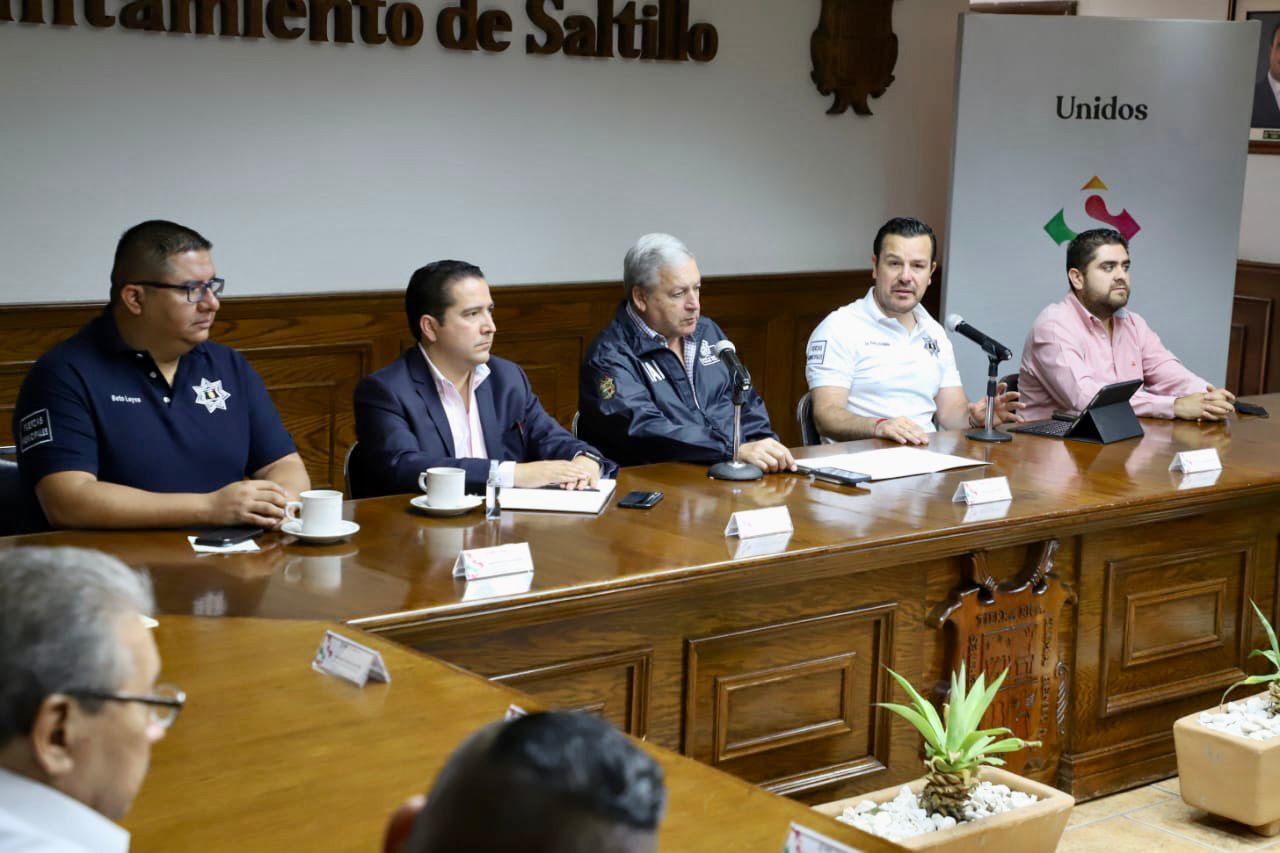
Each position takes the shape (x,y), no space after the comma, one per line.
(877,313)
(478,373)
(51,815)
(1086,315)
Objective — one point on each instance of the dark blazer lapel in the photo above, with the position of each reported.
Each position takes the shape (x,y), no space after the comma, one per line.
(492,425)
(424,383)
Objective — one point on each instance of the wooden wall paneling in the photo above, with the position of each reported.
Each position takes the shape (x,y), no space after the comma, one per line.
(1254,310)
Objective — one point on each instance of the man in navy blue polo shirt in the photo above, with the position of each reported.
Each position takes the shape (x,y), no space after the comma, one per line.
(138,420)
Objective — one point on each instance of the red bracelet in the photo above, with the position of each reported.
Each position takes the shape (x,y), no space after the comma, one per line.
(876,426)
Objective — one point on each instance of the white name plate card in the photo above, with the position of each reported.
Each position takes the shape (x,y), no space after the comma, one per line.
(987,491)
(349,660)
(499,586)
(480,563)
(1196,461)
(748,523)
(986,512)
(801,839)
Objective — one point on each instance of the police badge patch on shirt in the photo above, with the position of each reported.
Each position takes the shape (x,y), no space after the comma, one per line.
(931,346)
(607,388)
(34,430)
(211,395)
(706,356)
(817,352)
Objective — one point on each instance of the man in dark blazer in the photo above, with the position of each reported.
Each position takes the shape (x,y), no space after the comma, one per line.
(1266,95)
(448,402)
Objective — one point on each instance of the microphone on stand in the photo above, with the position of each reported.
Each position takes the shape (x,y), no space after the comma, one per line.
(992,347)
(996,353)
(741,378)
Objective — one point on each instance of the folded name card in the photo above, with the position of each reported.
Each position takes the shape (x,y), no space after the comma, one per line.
(801,839)
(983,491)
(1195,461)
(1199,479)
(349,660)
(759,522)
(478,563)
(499,586)
(986,512)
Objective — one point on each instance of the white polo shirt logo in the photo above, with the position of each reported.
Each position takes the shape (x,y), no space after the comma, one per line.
(211,395)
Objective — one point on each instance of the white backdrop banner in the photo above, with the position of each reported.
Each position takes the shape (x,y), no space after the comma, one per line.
(1066,124)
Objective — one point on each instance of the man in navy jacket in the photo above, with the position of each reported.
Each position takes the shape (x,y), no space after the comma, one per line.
(652,389)
(447,402)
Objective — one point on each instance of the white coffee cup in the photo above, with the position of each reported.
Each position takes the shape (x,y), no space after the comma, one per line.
(445,487)
(320,511)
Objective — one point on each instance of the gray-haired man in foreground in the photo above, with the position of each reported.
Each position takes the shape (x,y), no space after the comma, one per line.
(79,703)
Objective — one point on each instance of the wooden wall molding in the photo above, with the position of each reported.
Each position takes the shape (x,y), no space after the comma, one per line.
(1253,359)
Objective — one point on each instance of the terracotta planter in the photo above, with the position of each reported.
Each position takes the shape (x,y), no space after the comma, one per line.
(1029,829)
(1228,775)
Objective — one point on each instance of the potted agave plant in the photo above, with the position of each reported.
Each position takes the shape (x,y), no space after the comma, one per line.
(1229,756)
(964,802)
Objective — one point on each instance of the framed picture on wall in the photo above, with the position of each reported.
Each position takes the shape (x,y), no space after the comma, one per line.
(1264,128)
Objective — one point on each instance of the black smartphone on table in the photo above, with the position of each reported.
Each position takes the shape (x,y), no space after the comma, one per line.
(640,500)
(221,537)
(841,476)
(1250,409)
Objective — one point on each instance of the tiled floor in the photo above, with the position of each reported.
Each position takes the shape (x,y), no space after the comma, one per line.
(1154,818)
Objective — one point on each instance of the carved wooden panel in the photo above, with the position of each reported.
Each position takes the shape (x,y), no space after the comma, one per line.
(1014,628)
(615,686)
(854,50)
(551,364)
(1187,609)
(789,703)
(1257,295)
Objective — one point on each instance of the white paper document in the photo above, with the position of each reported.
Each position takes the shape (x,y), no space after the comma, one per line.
(891,462)
(558,500)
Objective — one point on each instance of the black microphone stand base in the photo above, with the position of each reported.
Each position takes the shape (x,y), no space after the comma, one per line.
(988,435)
(734,471)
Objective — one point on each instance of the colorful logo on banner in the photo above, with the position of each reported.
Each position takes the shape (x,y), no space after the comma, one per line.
(1096,208)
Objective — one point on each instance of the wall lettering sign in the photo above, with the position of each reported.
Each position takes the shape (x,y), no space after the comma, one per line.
(659,30)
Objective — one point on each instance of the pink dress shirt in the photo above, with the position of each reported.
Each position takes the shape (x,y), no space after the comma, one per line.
(1068,356)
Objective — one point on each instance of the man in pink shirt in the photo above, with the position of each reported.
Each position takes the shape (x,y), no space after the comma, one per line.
(1090,339)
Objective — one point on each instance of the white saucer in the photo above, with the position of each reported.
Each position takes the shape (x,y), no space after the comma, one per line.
(345,529)
(469,502)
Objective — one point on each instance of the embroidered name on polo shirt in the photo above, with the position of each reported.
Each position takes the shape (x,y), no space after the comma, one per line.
(707,357)
(931,347)
(876,344)
(34,430)
(655,373)
(211,395)
(121,398)
(816,353)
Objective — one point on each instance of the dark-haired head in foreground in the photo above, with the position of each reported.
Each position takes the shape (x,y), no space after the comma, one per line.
(557,782)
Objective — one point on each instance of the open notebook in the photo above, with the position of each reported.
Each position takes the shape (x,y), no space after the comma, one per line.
(558,500)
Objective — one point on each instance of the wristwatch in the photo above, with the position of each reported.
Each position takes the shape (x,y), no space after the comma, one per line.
(594,457)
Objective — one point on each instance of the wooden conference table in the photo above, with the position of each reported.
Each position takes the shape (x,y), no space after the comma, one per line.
(270,755)
(764,658)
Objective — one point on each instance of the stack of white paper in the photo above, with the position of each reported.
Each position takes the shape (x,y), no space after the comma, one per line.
(890,462)
(558,500)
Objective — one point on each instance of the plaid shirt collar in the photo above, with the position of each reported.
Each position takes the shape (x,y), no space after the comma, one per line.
(690,345)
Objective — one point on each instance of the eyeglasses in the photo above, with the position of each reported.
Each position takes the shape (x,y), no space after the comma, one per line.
(165,703)
(195,290)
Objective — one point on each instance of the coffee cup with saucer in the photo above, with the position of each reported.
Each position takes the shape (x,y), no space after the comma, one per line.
(317,517)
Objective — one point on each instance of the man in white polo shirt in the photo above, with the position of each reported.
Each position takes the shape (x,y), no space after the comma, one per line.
(881,367)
